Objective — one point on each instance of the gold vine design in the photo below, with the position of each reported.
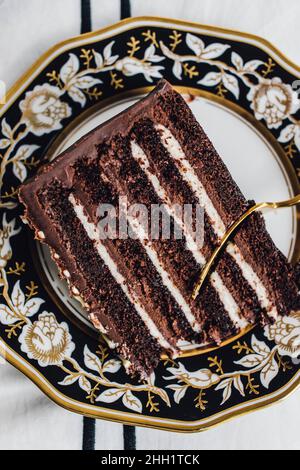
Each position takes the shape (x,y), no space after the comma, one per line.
(187,380)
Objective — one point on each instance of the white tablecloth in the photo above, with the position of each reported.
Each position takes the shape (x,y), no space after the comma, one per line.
(28,419)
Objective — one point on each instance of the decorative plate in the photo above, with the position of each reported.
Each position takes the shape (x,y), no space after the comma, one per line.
(244,92)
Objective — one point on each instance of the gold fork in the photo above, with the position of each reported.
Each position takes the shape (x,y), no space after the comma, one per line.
(261,205)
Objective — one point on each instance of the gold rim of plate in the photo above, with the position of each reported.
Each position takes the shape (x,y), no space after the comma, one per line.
(142,420)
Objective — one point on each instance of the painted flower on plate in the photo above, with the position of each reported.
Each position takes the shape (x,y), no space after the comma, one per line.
(273,101)
(46,340)
(286,334)
(43,110)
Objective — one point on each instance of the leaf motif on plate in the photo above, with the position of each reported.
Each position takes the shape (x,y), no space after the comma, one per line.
(77,95)
(22,154)
(69,380)
(231,83)
(252,65)
(226,386)
(86,82)
(108,58)
(238,385)
(162,394)
(7,231)
(269,372)
(84,384)
(180,391)
(112,366)
(237,61)
(7,316)
(260,347)
(98,59)
(248,67)
(32,306)
(17,296)
(297,137)
(91,361)
(132,402)
(69,69)
(250,360)
(287,133)
(20,170)
(4,143)
(214,50)
(177,69)
(211,79)
(19,306)
(6,129)
(151,379)
(195,44)
(151,56)
(110,395)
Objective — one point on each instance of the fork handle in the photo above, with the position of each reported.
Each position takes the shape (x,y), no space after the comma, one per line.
(261,205)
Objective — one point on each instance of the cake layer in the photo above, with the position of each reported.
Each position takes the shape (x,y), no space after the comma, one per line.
(133,262)
(182,265)
(275,284)
(113,310)
(138,289)
(177,184)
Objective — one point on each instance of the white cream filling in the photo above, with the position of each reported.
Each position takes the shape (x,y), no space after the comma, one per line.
(140,156)
(225,296)
(165,277)
(228,301)
(252,278)
(94,235)
(188,174)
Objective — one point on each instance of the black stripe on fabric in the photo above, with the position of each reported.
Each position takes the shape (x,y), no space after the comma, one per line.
(86,16)
(125,9)
(89,433)
(129,438)
(89,424)
(129,434)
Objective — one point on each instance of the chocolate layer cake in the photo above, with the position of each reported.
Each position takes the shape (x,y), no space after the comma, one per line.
(137,290)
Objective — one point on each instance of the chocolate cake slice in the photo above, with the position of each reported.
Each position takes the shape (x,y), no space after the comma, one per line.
(137,289)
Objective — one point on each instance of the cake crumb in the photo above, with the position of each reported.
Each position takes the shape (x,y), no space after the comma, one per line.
(41,235)
(74,290)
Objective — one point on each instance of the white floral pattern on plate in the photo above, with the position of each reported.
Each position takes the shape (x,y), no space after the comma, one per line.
(270,99)
(43,109)
(49,342)
(260,358)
